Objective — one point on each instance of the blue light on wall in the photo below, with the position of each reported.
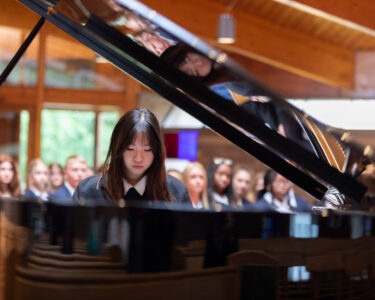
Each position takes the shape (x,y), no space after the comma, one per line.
(188,145)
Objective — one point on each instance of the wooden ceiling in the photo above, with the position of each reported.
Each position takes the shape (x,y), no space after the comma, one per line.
(304,48)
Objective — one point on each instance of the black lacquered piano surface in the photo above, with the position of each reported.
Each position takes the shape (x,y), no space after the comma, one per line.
(171,250)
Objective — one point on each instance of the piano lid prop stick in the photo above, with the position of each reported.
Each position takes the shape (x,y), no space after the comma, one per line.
(4,75)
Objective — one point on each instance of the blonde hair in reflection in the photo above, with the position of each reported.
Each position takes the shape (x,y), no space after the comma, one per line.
(185,177)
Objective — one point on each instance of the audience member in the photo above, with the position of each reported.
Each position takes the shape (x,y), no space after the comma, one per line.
(241,183)
(279,195)
(195,179)
(37,177)
(219,176)
(56,176)
(75,170)
(9,177)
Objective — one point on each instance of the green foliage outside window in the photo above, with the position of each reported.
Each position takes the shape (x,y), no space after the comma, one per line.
(67,132)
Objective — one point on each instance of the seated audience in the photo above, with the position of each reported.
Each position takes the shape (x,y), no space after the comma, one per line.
(241,183)
(75,170)
(195,179)
(9,177)
(56,176)
(279,195)
(37,177)
(219,177)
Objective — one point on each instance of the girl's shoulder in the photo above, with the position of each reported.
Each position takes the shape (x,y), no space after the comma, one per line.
(178,189)
(90,189)
(29,194)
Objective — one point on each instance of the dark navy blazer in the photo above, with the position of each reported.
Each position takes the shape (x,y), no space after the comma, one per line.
(62,195)
(301,205)
(29,194)
(92,190)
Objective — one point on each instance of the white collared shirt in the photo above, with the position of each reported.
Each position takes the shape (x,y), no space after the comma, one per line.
(69,187)
(40,195)
(220,199)
(140,185)
(199,205)
(280,206)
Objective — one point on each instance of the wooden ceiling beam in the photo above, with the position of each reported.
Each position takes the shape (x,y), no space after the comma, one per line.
(265,42)
(10,95)
(360,13)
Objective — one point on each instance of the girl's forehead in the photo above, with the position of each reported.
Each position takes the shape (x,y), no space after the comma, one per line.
(223,168)
(5,164)
(41,166)
(141,138)
(197,170)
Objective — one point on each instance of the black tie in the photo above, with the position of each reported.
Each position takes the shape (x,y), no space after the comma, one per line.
(132,194)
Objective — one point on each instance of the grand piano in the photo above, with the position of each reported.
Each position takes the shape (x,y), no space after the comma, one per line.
(174,251)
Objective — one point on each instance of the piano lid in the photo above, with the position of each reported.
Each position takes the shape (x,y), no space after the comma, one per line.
(208,84)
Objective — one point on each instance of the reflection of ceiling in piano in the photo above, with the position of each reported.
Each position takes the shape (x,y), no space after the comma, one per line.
(288,46)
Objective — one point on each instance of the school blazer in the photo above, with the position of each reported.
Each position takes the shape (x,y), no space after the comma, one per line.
(61,195)
(91,190)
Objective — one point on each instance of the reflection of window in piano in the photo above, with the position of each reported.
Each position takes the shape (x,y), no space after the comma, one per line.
(298,273)
(301,226)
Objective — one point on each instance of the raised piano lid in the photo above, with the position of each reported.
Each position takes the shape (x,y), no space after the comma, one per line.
(218,92)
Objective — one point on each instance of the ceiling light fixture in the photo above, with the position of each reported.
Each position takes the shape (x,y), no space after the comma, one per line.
(226,26)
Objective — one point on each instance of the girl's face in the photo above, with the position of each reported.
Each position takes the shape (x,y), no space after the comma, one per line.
(138,157)
(39,176)
(280,187)
(6,172)
(222,178)
(196,181)
(241,183)
(56,177)
(196,65)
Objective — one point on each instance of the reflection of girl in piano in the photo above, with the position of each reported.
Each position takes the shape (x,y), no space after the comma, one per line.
(135,159)
(219,79)
(279,195)
(9,177)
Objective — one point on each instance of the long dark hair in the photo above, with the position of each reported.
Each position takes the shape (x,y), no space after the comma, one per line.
(176,55)
(269,178)
(132,123)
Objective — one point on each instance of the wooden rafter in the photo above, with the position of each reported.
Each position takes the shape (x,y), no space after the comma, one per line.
(359,13)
